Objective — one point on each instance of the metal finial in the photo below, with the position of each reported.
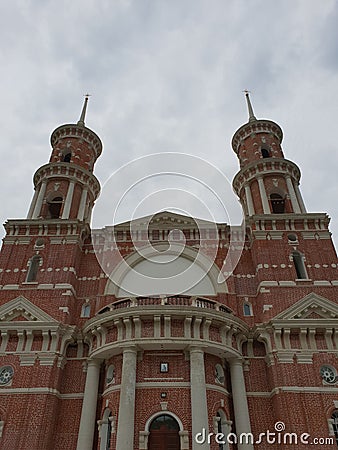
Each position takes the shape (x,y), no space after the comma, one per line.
(81,121)
(250,109)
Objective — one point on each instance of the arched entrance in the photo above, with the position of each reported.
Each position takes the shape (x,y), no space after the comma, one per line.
(164,433)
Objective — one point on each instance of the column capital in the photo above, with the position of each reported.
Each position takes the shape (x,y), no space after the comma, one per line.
(195,348)
(131,348)
(93,362)
(236,361)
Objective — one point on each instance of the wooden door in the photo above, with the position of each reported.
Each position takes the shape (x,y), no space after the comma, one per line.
(164,436)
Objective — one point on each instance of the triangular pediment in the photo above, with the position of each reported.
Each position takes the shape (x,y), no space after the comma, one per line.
(311,307)
(20,309)
(168,218)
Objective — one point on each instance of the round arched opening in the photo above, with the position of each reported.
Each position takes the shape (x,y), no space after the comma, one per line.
(164,433)
(54,207)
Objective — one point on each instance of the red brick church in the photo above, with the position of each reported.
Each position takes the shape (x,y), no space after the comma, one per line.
(241,359)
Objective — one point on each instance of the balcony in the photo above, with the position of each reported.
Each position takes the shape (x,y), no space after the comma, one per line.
(176,300)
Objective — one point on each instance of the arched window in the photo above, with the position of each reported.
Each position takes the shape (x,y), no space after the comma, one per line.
(265,152)
(54,207)
(247,309)
(298,261)
(110,377)
(164,420)
(224,428)
(219,429)
(219,374)
(277,203)
(34,264)
(334,424)
(67,157)
(106,427)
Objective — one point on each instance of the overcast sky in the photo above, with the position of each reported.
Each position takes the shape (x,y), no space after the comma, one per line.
(168,76)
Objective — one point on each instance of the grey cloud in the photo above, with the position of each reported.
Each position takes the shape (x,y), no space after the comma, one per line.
(168,76)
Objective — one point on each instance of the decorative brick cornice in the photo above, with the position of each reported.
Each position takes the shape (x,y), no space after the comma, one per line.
(263,167)
(69,230)
(79,132)
(257,126)
(263,225)
(71,172)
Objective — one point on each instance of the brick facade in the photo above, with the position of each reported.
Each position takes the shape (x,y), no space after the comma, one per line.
(275,313)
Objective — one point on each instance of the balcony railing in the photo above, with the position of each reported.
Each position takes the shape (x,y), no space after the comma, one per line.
(176,300)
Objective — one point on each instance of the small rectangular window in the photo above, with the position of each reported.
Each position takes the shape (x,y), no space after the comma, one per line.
(164,367)
(247,309)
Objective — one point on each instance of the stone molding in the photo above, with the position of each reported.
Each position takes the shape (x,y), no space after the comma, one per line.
(68,230)
(294,389)
(79,132)
(41,390)
(262,168)
(305,318)
(195,322)
(71,172)
(55,335)
(254,127)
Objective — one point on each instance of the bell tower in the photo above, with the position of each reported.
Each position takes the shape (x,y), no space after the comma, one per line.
(44,252)
(66,188)
(267,183)
(284,236)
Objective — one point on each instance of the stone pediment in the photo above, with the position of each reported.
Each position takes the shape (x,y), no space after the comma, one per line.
(20,309)
(311,307)
(167,218)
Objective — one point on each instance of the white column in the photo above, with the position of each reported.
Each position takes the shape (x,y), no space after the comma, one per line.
(300,199)
(82,207)
(240,401)
(69,199)
(262,191)
(293,198)
(88,414)
(41,196)
(249,202)
(199,407)
(33,203)
(125,425)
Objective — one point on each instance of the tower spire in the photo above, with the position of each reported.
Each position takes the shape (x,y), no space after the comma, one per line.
(252,116)
(81,121)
